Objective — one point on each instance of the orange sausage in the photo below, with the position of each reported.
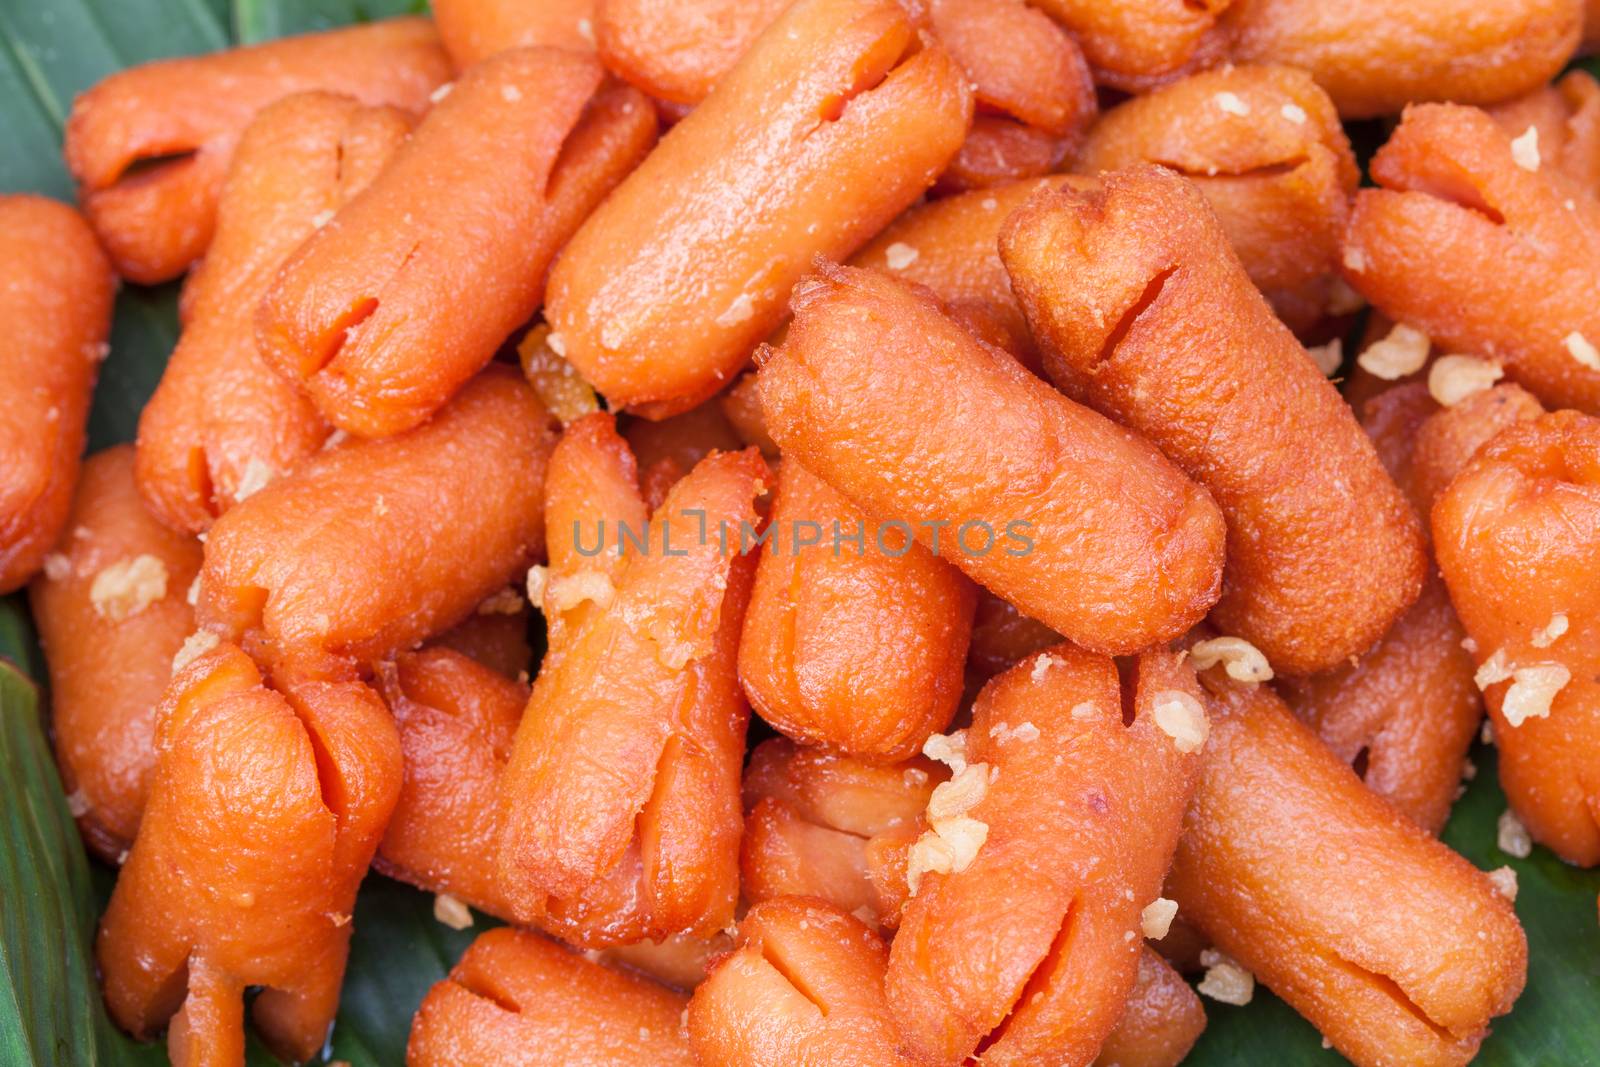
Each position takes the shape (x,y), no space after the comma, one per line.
(1376,56)
(370,548)
(812,816)
(1567,115)
(1161,1022)
(456,719)
(952,246)
(667,450)
(1274,165)
(149,146)
(55,299)
(223,420)
(803,986)
(1034,93)
(1451,199)
(474,30)
(1449,438)
(620,806)
(111,614)
(1030,946)
(861,648)
(678,51)
(1393,946)
(386,311)
(1404,714)
(1516,534)
(1123,287)
(516,999)
(1135,44)
(264,812)
(837,118)
(1012,465)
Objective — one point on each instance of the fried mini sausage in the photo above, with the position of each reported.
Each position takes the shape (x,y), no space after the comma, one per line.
(1122,286)
(1404,714)
(521,1000)
(1030,946)
(619,807)
(1392,945)
(1078,522)
(387,310)
(678,51)
(849,644)
(474,30)
(951,245)
(456,719)
(55,299)
(1449,437)
(264,812)
(1031,82)
(370,548)
(1134,44)
(1035,96)
(1376,56)
(1161,1022)
(111,611)
(1454,196)
(1265,146)
(223,421)
(150,146)
(1517,535)
(812,817)
(804,985)
(837,118)
(1566,114)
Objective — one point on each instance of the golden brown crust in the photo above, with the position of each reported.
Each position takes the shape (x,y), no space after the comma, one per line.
(1015,456)
(1123,286)
(659,299)
(1392,945)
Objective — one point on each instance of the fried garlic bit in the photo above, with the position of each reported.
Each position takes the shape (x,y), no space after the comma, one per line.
(1225,982)
(1402,352)
(1181,718)
(954,837)
(1512,837)
(561,388)
(1452,379)
(128,586)
(1533,690)
(1505,882)
(1242,661)
(1547,634)
(1156,918)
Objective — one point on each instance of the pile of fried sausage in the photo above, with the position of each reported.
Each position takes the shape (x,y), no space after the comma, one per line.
(1119,517)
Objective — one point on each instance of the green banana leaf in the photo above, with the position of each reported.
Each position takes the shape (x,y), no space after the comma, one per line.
(50,893)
